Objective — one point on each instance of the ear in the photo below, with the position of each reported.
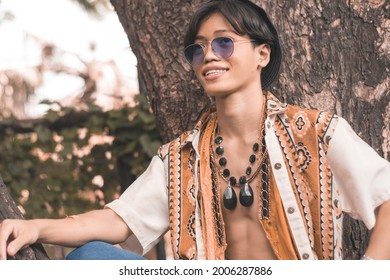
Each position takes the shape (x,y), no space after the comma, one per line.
(263,55)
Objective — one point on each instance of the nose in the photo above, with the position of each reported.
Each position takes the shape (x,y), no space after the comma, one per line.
(209,54)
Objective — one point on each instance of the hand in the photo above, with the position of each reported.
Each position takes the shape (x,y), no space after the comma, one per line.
(15,235)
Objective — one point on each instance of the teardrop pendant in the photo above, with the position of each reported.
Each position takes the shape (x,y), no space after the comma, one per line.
(229,198)
(246,195)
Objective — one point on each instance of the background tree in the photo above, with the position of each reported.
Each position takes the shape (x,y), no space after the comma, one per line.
(336,57)
(9,210)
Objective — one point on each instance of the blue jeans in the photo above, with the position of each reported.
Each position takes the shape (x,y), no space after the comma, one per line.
(98,250)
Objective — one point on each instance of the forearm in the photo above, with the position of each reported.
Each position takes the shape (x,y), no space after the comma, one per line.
(379,245)
(77,230)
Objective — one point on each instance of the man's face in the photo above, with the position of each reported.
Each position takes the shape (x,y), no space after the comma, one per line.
(222,76)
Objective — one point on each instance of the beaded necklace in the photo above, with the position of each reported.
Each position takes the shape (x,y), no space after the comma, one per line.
(259,151)
(246,192)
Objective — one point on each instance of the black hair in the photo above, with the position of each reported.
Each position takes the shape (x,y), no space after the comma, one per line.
(247,19)
(244,16)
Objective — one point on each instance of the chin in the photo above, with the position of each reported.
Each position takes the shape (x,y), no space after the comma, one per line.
(215,91)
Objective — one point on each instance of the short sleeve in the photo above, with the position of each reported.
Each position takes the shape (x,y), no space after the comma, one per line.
(360,174)
(144,205)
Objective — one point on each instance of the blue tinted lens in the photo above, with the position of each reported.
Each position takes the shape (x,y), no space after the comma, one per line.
(222,47)
(194,54)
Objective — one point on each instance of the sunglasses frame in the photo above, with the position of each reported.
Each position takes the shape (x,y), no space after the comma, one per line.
(204,45)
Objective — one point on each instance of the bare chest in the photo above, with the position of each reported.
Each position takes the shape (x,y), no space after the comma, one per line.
(245,236)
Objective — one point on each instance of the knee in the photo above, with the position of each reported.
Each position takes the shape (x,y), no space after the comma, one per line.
(98,250)
(88,251)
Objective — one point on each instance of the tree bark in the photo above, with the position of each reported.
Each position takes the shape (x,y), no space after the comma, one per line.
(336,58)
(155,31)
(9,210)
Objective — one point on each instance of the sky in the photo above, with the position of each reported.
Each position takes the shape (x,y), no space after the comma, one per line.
(65,24)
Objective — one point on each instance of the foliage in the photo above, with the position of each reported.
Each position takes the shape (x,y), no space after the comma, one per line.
(52,166)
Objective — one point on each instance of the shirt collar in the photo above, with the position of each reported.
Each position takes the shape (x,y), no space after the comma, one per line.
(274,106)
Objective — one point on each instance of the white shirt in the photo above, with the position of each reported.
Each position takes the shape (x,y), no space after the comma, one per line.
(361,183)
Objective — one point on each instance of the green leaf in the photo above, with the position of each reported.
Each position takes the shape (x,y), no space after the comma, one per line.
(48,102)
(54,175)
(70,134)
(95,124)
(149,146)
(147,118)
(44,134)
(68,148)
(52,116)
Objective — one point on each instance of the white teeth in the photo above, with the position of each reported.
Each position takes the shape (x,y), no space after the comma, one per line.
(215,71)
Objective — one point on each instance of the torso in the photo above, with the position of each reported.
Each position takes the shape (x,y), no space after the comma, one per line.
(245,236)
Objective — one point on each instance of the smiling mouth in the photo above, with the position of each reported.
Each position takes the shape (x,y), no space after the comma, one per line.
(215,71)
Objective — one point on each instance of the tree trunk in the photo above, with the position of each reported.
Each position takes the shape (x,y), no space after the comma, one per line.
(155,31)
(336,58)
(9,210)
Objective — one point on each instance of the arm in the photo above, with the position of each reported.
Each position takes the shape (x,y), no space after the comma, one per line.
(72,231)
(379,245)
(142,207)
(363,178)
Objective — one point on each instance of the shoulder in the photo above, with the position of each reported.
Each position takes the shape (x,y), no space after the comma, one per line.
(188,138)
(302,119)
(176,144)
(295,112)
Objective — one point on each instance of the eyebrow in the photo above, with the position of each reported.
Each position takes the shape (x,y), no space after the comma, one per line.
(221,31)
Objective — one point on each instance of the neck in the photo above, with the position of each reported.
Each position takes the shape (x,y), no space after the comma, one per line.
(239,115)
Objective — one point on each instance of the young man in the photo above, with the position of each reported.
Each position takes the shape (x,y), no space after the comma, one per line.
(255,179)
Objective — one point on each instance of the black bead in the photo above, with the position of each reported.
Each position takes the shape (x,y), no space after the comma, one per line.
(222,161)
(246,195)
(219,150)
(226,172)
(252,158)
(229,198)
(265,204)
(255,147)
(242,180)
(248,171)
(233,181)
(218,140)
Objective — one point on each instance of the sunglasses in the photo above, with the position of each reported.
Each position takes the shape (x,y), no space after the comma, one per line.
(222,47)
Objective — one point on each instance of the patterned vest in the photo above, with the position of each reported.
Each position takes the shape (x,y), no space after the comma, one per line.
(303,136)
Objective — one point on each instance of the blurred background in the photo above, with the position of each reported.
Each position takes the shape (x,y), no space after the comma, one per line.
(55,49)
(74,132)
